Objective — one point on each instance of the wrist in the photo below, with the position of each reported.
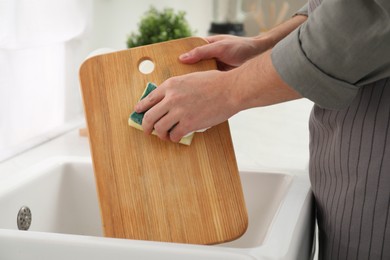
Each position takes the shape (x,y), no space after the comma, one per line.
(229,82)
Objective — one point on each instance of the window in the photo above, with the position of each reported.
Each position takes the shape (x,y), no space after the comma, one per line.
(40,49)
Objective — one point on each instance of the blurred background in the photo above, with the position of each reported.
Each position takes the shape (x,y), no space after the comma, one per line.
(43,43)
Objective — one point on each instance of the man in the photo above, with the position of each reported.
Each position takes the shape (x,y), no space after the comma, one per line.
(337,54)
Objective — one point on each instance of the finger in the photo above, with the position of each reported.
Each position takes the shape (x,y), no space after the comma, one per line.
(199,53)
(150,100)
(152,116)
(178,132)
(164,125)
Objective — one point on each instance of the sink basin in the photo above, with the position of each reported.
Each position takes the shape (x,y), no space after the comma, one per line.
(61,195)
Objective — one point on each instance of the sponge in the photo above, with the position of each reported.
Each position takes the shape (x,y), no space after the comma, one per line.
(135,119)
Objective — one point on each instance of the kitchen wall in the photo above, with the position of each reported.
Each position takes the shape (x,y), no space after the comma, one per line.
(37,69)
(42,44)
(114,20)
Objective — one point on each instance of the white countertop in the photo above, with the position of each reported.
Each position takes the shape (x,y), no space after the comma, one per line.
(275,137)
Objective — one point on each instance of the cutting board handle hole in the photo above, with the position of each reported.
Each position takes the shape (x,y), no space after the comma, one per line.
(146,66)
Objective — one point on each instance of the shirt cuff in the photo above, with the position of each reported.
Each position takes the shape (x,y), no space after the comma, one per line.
(306,78)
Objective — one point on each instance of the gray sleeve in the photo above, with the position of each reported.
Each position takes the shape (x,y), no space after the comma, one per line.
(342,46)
(302,11)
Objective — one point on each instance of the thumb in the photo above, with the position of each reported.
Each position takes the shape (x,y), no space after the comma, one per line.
(197,54)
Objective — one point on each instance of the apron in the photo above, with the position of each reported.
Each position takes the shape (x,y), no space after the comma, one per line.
(350,174)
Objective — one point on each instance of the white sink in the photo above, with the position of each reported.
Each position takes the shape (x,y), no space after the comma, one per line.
(61,194)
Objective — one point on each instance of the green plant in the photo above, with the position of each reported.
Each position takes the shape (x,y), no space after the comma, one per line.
(161,26)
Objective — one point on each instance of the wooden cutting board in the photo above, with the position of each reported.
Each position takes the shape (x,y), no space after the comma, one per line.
(151,189)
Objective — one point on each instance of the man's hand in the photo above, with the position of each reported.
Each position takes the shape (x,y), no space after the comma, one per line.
(232,51)
(188,103)
(229,51)
(195,101)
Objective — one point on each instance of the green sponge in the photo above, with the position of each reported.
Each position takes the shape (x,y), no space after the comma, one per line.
(138,117)
(135,119)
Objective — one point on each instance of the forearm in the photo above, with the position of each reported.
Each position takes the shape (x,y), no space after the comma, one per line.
(276,34)
(256,83)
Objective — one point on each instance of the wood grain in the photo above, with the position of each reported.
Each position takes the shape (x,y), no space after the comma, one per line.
(151,189)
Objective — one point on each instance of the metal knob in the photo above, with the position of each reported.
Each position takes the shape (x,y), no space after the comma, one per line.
(24,218)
